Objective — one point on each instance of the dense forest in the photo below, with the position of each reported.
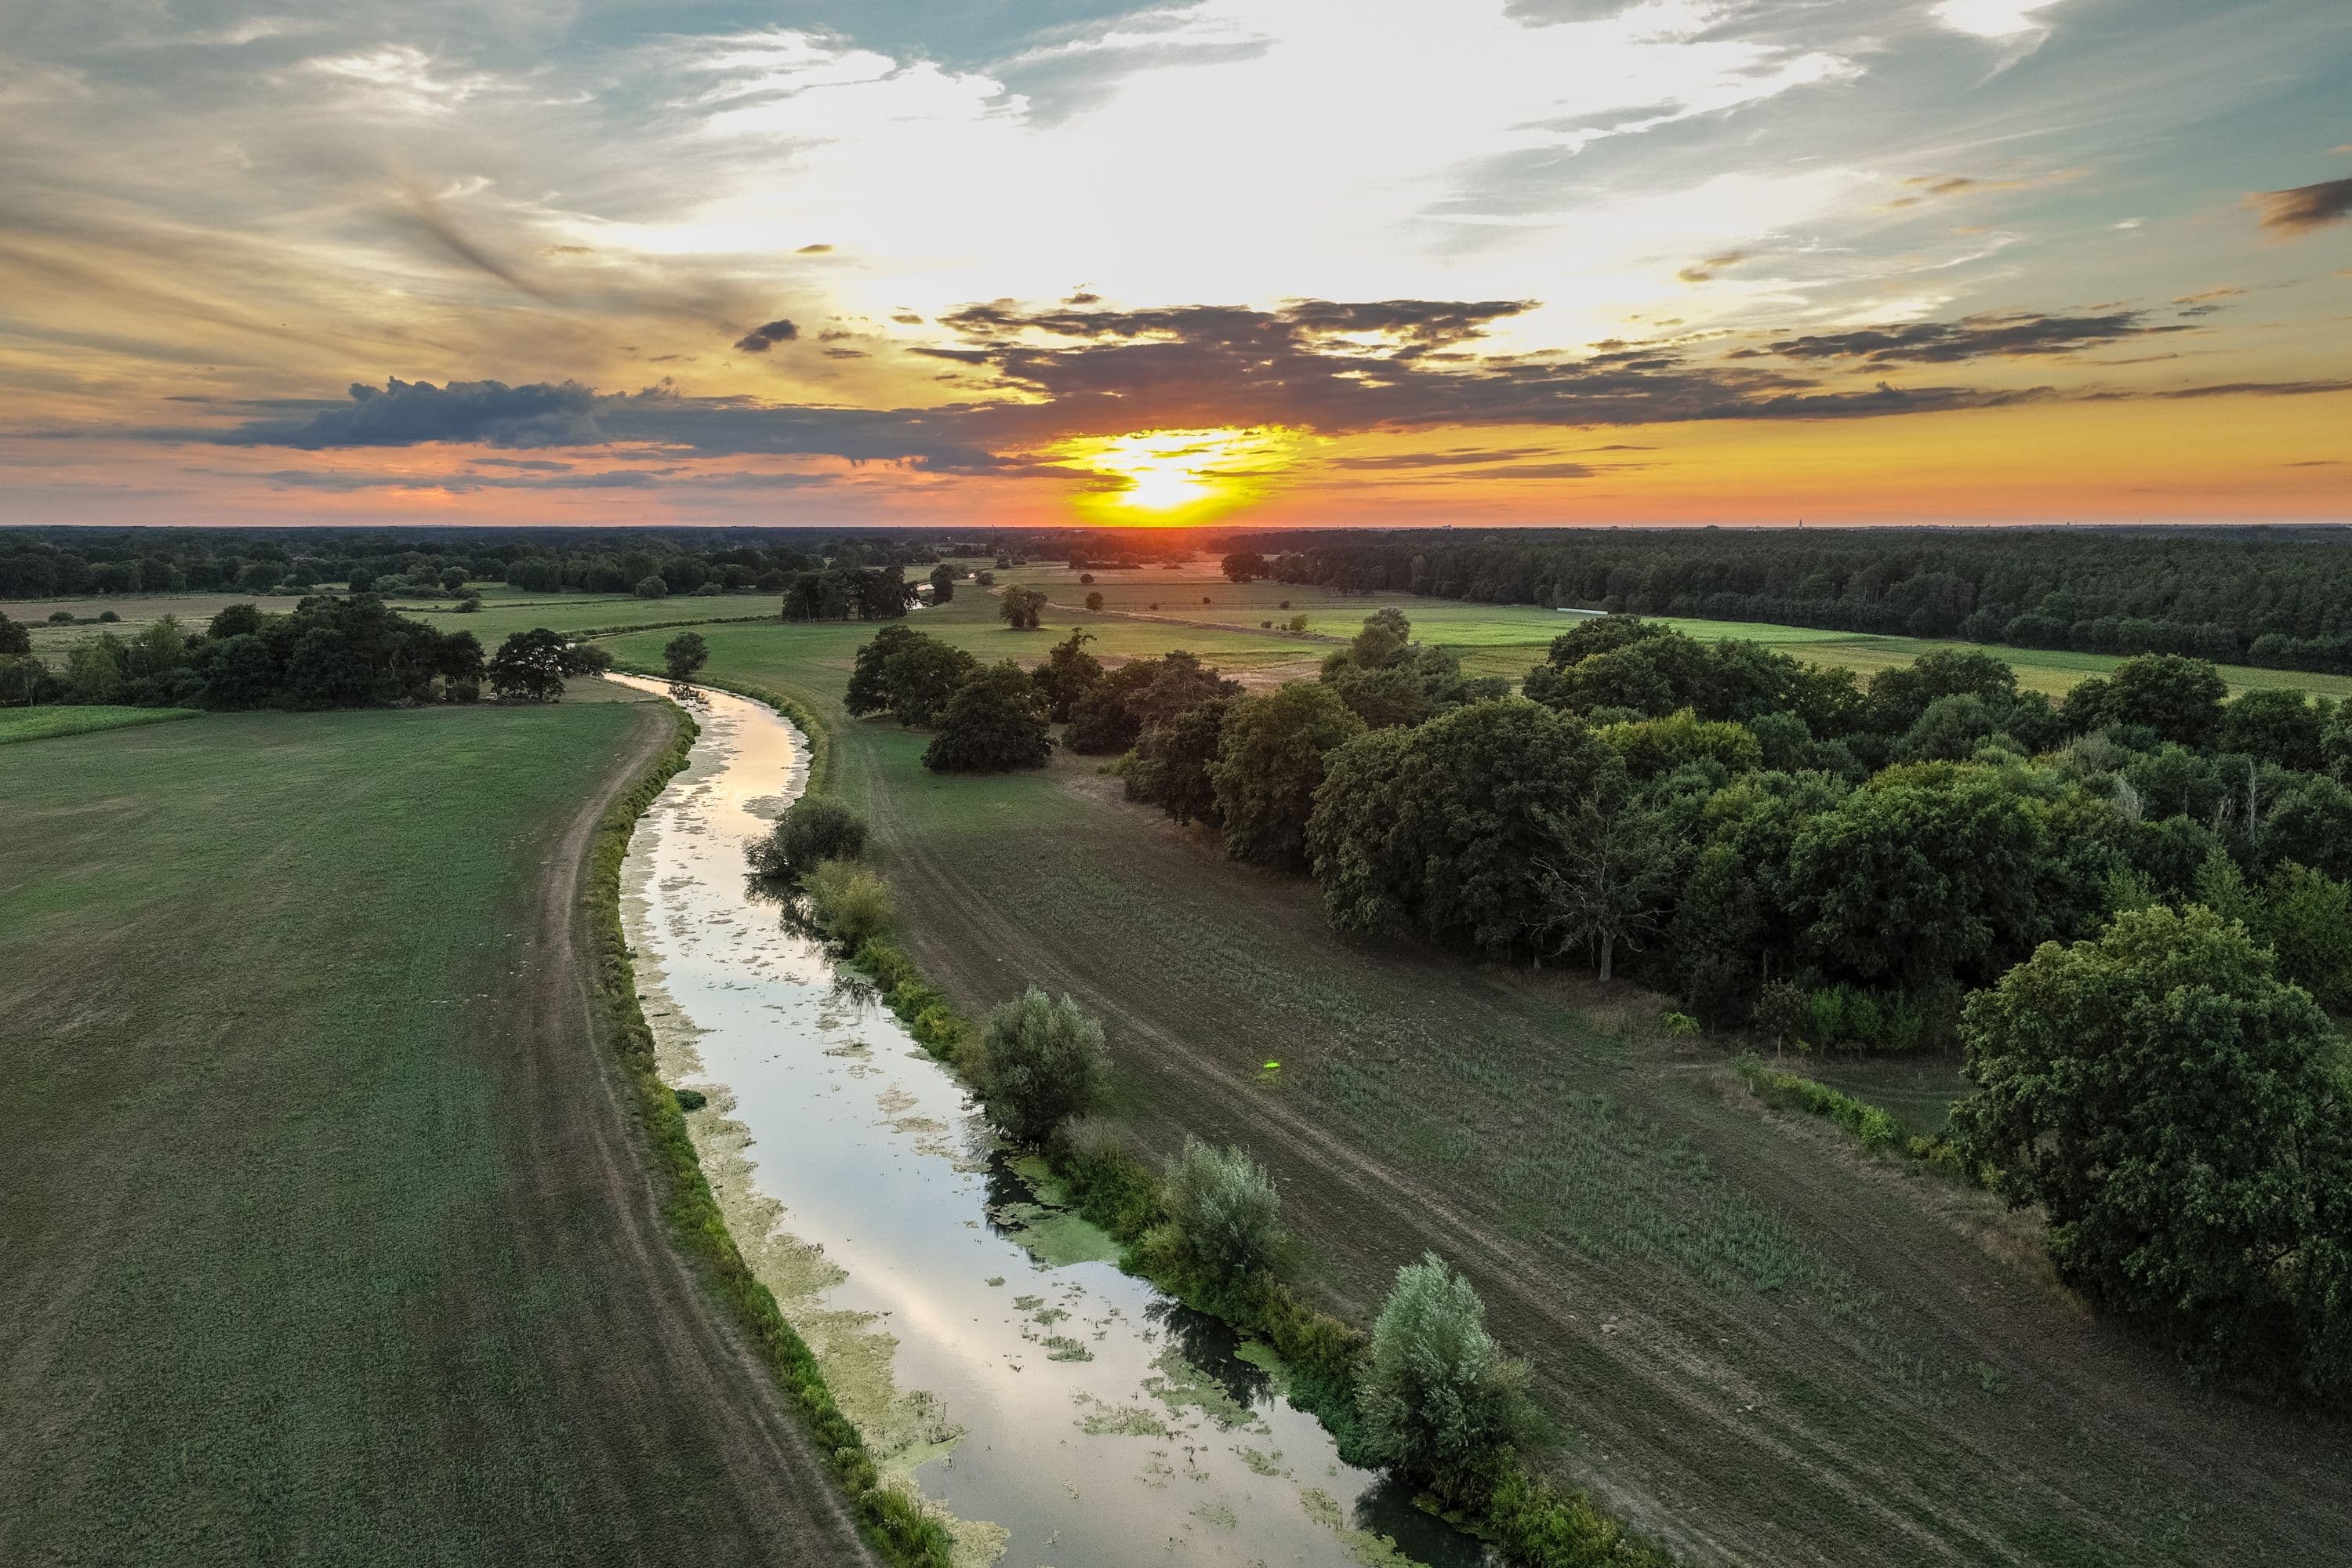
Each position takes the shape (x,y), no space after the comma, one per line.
(2130,908)
(2275,597)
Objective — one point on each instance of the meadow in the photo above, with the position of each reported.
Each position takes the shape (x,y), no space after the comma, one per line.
(68,718)
(328,1236)
(1759,1343)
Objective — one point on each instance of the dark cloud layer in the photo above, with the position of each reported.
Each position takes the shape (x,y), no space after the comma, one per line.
(1044,375)
(2305,208)
(1973,337)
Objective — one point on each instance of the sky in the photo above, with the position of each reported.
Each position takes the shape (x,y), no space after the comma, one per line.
(1260,262)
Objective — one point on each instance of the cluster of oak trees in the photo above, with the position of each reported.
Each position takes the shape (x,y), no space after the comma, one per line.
(327,652)
(1835,863)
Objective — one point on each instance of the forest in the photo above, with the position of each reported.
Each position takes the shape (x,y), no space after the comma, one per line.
(2279,598)
(2129,910)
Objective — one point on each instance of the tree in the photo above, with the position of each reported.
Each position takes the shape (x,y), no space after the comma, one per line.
(1171,765)
(1270,762)
(233,620)
(453,578)
(1934,870)
(870,689)
(1438,829)
(813,829)
(1041,1062)
(1607,880)
(2276,726)
(922,677)
(993,721)
(2173,1108)
(684,654)
(942,584)
(1224,1208)
(652,587)
(1438,1399)
(2180,699)
(1095,603)
(529,664)
(1068,673)
(1020,607)
(14,639)
(1654,748)
(1245,566)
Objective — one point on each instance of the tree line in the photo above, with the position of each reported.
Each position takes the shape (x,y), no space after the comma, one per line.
(2277,598)
(327,652)
(1830,863)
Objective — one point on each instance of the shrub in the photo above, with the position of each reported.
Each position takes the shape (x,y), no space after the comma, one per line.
(652,587)
(851,904)
(813,829)
(1298,623)
(1439,1400)
(684,654)
(1094,602)
(1043,1063)
(1223,1208)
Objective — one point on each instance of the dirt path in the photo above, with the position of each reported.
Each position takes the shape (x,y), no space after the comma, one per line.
(576,1158)
(1917,1394)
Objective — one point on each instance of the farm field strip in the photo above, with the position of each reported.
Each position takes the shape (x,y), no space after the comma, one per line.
(64,719)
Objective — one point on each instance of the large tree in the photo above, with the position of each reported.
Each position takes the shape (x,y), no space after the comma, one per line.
(2177,1112)
(1269,764)
(922,677)
(995,720)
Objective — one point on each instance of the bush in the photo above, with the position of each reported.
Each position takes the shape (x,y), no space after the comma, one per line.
(1223,1208)
(850,903)
(684,654)
(1439,1400)
(813,829)
(1042,1062)
(652,587)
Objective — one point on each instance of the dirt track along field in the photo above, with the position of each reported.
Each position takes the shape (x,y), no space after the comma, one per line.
(329,1238)
(1762,1345)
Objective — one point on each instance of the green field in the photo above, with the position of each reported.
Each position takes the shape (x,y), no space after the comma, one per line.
(1506,639)
(326,1237)
(64,718)
(1761,1344)
(506,610)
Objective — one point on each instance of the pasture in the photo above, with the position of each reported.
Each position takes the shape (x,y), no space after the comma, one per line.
(1759,1343)
(67,719)
(328,1237)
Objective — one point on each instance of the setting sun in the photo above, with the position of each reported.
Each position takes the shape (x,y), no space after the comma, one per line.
(1167,478)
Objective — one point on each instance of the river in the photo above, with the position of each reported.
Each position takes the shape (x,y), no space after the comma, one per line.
(986,1345)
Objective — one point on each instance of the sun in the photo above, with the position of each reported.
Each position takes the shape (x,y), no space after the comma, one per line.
(1171,479)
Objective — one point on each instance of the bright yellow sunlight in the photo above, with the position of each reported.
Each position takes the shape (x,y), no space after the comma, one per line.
(1173,478)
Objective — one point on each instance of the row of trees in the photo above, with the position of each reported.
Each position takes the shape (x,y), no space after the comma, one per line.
(41,563)
(2276,597)
(329,652)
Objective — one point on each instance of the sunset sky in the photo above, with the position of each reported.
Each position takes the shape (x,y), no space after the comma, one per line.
(1038,261)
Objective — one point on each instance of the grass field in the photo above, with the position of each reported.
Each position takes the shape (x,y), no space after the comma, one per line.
(42,723)
(1761,1344)
(506,610)
(326,1237)
(1506,639)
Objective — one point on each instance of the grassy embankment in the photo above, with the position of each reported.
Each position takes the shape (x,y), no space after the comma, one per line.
(326,1230)
(1506,639)
(1763,1346)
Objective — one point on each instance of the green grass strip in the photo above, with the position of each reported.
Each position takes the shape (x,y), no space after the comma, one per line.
(900,1528)
(45,724)
(1873,1127)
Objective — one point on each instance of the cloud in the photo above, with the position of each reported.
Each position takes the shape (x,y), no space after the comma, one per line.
(1457,458)
(2010,335)
(1706,269)
(2304,208)
(814,250)
(761,339)
(425,210)
(1997,19)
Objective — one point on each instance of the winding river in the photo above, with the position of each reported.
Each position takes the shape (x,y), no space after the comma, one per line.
(1058,1411)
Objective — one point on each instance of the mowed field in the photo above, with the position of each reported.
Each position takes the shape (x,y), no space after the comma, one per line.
(1759,1344)
(1506,639)
(327,1236)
